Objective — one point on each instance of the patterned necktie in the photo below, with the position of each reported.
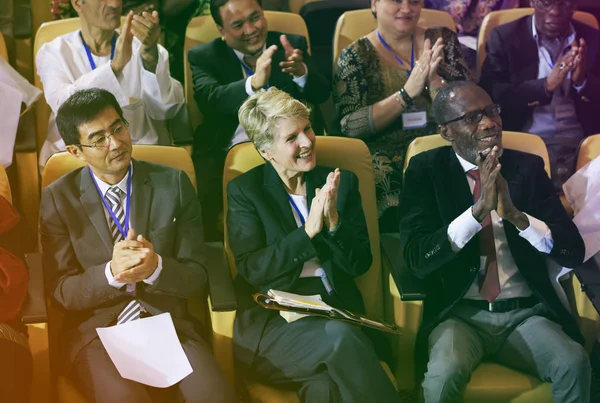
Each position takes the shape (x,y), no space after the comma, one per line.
(489,285)
(250,60)
(113,197)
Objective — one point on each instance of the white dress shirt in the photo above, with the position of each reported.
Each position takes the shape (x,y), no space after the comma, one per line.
(147,99)
(542,122)
(240,135)
(103,186)
(465,226)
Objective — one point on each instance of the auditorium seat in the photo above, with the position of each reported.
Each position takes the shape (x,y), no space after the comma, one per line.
(354,157)
(588,150)
(491,382)
(62,163)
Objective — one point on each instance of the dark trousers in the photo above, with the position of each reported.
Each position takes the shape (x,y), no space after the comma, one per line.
(15,372)
(98,379)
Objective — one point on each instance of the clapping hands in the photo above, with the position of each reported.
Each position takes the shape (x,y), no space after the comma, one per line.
(323,208)
(425,69)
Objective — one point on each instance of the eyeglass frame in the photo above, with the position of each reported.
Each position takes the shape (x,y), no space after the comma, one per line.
(94,144)
(480,111)
(562,4)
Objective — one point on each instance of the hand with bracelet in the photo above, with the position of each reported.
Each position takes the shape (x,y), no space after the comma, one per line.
(429,60)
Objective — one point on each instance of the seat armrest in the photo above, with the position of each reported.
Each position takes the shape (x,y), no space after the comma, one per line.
(34,310)
(220,284)
(410,287)
(26,140)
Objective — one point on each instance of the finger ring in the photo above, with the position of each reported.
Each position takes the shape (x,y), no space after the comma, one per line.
(562,66)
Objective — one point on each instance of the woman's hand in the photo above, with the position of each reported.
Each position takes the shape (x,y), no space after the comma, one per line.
(314,222)
(420,73)
(330,212)
(437,55)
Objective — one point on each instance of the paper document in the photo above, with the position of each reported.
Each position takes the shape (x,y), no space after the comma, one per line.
(147,351)
(299,301)
(10,106)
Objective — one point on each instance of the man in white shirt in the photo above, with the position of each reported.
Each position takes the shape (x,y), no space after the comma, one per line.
(228,70)
(129,63)
(122,239)
(477,222)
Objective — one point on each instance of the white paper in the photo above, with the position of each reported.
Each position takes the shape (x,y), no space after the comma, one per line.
(583,186)
(9,76)
(588,224)
(10,107)
(468,41)
(147,351)
(299,301)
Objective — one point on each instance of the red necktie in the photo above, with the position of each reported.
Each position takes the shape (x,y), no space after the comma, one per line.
(489,286)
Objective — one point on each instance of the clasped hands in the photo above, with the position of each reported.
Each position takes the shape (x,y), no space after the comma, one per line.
(323,208)
(292,65)
(146,28)
(133,259)
(575,61)
(494,192)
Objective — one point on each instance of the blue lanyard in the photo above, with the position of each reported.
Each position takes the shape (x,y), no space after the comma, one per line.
(89,53)
(249,72)
(122,230)
(296,208)
(412,52)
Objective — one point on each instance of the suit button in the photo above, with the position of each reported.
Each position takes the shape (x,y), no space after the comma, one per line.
(295,259)
(585,99)
(473,269)
(111,296)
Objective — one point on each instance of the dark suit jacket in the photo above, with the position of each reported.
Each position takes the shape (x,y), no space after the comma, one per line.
(77,245)
(219,87)
(510,75)
(436,192)
(270,249)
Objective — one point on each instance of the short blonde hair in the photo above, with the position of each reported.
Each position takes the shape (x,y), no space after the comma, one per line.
(261,112)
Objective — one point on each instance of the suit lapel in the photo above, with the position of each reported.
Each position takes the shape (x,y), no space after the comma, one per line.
(278,198)
(141,199)
(229,63)
(528,54)
(455,182)
(92,204)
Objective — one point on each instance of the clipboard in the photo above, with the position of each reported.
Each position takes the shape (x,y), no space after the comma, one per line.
(308,305)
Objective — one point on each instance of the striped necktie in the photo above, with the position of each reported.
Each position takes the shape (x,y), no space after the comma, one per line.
(114,198)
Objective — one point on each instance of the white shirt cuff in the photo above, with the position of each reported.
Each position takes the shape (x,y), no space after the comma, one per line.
(538,235)
(301,81)
(462,229)
(111,279)
(578,88)
(154,277)
(249,89)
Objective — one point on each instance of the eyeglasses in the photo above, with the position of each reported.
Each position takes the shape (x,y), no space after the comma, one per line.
(103,142)
(562,5)
(410,2)
(476,116)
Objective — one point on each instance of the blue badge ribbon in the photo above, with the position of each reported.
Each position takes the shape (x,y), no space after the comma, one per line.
(122,230)
(249,73)
(302,220)
(389,49)
(88,52)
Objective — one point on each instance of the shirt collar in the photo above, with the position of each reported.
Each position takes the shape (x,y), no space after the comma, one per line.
(241,55)
(466,165)
(536,37)
(103,186)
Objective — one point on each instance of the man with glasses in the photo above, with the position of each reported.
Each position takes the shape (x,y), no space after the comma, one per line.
(544,70)
(477,222)
(122,240)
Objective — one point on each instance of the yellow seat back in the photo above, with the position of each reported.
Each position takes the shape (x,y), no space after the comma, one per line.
(355,24)
(496,18)
(3,49)
(5,185)
(345,153)
(589,149)
(519,141)
(62,163)
(203,29)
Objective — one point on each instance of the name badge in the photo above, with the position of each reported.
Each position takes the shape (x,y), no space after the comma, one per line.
(414,119)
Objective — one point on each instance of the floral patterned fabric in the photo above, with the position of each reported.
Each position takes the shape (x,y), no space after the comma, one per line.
(361,80)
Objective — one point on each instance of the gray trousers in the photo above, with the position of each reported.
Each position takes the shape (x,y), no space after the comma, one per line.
(330,361)
(99,380)
(521,339)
